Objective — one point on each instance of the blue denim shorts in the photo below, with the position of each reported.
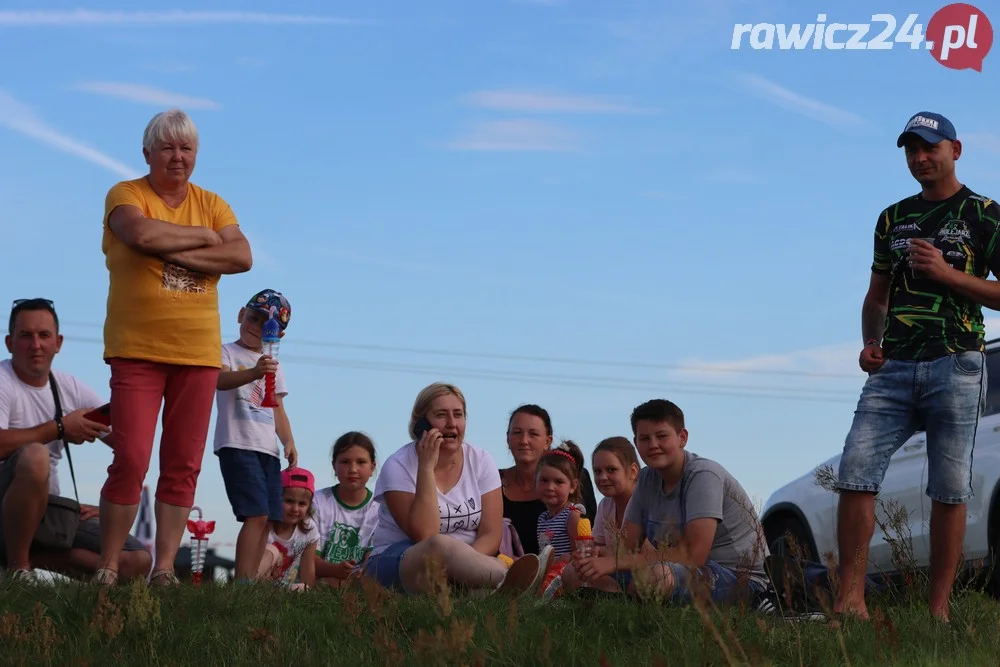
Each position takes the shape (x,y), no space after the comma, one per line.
(943,397)
(253,483)
(723,583)
(384,567)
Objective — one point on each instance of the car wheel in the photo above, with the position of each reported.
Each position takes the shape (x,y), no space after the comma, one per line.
(789,537)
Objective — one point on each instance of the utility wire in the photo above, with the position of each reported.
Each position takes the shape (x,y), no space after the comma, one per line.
(581,381)
(545,359)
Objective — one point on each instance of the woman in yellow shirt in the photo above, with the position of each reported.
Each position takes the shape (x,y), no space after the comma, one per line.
(167,242)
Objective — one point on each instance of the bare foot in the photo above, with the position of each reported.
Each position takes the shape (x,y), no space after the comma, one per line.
(852,609)
(941,614)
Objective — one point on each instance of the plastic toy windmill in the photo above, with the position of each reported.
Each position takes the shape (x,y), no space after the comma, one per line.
(270,337)
(200,530)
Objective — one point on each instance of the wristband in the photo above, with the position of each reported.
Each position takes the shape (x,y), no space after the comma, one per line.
(870,341)
(60,428)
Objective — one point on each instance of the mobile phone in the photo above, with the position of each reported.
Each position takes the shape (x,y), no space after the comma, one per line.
(421,427)
(101,415)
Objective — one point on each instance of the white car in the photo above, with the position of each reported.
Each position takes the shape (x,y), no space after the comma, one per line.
(808,511)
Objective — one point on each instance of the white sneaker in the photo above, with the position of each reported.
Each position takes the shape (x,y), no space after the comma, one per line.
(22,576)
(545,558)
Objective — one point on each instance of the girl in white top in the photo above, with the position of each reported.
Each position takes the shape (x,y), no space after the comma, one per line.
(616,471)
(346,513)
(440,497)
(289,559)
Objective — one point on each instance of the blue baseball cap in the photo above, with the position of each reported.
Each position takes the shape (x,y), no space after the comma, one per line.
(929,126)
(267,299)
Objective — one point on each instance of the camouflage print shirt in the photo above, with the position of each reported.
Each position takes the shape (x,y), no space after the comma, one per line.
(927,320)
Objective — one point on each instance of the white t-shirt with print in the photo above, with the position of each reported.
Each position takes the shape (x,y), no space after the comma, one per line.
(241,423)
(346,533)
(286,570)
(24,406)
(460,510)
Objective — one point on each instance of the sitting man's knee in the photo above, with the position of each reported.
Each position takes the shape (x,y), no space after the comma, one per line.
(33,464)
(660,579)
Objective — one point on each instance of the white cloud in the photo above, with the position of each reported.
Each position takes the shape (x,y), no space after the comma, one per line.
(829,363)
(87,17)
(800,104)
(16,116)
(516,135)
(541,102)
(145,95)
(838,360)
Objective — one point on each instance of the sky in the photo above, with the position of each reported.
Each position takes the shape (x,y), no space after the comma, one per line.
(573,203)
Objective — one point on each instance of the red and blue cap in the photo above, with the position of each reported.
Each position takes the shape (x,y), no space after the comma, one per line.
(931,127)
(267,300)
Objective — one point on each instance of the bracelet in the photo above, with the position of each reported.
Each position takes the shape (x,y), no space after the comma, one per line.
(870,341)
(60,428)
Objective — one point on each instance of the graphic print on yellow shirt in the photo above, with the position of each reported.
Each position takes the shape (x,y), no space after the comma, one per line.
(158,311)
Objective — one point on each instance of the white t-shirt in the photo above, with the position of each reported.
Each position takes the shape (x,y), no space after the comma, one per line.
(240,422)
(286,570)
(24,406)
(460,509)
(604,530)
(346,533)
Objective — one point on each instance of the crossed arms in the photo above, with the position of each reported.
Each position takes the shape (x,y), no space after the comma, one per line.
(197,249)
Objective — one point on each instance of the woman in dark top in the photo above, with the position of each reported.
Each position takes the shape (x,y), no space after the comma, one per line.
(529,435)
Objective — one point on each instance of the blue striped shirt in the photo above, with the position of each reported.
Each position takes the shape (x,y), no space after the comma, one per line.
(552,530)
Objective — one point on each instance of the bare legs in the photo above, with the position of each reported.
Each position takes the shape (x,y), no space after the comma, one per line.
(855,527)
(24,504)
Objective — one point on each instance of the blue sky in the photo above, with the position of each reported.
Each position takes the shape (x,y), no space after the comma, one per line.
(573,203)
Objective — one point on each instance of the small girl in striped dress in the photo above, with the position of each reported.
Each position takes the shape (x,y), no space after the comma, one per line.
(558,485)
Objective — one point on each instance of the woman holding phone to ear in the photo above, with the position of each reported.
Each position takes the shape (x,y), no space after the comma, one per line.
(440,497)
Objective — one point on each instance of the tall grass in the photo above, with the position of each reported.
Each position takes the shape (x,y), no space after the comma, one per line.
(73,624)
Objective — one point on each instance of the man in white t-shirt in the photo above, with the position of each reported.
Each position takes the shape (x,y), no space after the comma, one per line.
(31,444)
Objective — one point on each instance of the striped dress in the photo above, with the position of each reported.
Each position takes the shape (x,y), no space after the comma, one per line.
(552,530)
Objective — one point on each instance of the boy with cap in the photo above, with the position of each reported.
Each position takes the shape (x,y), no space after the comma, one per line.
(245,432)
(923,333)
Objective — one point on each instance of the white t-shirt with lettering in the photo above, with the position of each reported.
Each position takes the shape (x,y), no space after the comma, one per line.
(460,509)
(346,532)
(241,422)
(24,406)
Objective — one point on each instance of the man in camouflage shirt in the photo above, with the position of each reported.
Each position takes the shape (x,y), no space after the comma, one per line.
(922,326)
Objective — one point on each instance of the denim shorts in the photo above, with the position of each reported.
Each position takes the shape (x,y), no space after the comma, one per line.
(384,566)
(943,397)
(723,583)
(253,483)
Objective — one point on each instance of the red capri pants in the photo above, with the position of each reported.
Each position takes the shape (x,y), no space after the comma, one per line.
(138,389)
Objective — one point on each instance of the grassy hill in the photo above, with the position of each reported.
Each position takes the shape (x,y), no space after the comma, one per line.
(73,624)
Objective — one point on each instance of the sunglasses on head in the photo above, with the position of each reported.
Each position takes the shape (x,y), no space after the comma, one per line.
(20,303)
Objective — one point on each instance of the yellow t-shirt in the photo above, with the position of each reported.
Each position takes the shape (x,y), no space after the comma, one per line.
(158,311)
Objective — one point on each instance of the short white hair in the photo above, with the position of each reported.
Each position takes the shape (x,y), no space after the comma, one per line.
(169,125)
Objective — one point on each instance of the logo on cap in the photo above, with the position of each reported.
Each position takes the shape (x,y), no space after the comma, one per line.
(920,121)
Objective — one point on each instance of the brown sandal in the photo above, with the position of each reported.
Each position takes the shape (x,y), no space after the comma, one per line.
(105,577)
(164,578)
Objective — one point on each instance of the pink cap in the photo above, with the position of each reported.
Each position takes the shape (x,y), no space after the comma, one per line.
(298,478)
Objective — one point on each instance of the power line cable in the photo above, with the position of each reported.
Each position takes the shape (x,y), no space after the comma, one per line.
(581,381)
(548,359)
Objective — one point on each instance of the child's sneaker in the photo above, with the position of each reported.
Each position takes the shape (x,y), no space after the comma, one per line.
(545,558)
(554,589)
(521,575)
